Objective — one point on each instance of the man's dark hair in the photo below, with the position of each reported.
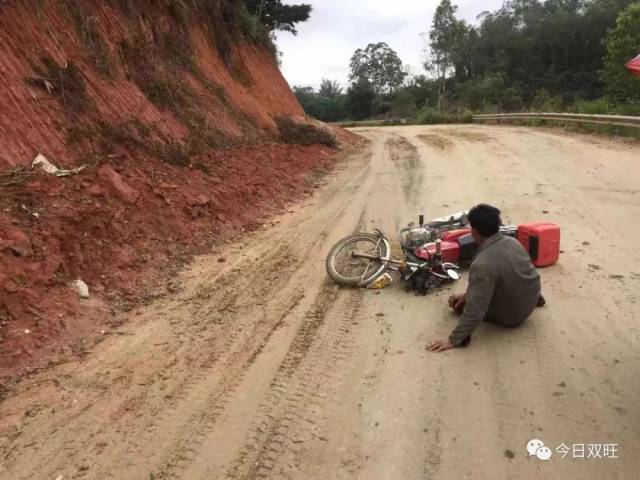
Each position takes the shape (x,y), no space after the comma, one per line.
(485,219)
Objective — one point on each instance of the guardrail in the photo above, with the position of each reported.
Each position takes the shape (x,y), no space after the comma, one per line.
(618,120)
(369,123)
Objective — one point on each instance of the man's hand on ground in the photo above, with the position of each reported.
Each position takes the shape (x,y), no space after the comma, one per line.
(457,301)
(440,346)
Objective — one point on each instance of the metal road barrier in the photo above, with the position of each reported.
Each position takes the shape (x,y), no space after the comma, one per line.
(369,123)
(618,120)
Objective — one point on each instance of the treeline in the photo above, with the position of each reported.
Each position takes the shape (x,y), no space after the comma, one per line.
(553,55)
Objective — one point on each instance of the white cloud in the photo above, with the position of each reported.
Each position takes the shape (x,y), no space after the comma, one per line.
(337,28)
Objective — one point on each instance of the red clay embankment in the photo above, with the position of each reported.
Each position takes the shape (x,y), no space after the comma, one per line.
(172,117)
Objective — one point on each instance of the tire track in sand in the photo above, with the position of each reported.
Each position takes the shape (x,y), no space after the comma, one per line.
(405,158)
(301,385)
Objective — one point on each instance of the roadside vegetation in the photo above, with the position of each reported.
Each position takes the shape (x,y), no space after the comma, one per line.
(530,55)
(254,20)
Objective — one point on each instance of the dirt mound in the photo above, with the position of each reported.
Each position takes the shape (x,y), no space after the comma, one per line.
(171,119)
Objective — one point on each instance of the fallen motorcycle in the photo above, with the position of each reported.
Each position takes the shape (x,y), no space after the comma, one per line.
(433,253)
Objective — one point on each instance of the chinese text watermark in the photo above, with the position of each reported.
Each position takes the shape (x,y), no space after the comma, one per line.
(588,451)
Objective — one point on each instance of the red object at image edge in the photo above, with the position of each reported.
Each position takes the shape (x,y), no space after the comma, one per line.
(634,66)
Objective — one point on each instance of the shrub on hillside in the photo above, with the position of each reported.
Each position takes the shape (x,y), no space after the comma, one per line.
(543,101)
(65,82)
(303,133)
(606,107)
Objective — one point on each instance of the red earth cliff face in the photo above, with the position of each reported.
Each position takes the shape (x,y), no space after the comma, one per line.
(247,89)
(175,128)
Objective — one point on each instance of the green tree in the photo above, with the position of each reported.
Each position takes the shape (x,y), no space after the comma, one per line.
(424,91)
(330,89)
(320,107)
(528,54)
(509,100)
(304,95)
(359,101)
(544,102)
(379,65)
(445,39)
(623,44)
(277,16)
(403,104)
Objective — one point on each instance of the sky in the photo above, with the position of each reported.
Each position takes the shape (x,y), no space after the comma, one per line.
(324,45)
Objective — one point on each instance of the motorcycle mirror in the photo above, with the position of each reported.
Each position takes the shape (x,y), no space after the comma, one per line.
(453,275)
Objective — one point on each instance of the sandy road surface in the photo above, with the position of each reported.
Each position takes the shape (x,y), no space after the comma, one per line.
(261,368)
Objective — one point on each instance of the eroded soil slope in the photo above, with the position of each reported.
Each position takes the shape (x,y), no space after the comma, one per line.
(171,114)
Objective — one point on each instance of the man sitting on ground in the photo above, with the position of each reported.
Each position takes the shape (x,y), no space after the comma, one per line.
(504,286)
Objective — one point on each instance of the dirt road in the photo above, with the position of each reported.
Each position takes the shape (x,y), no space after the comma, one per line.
(258,367)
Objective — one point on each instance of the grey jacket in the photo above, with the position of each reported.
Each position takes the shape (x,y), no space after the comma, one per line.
(504,287)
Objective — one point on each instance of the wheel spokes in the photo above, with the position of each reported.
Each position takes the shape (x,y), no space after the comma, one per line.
(350,266)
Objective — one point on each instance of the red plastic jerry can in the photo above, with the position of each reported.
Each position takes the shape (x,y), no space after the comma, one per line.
(542,241)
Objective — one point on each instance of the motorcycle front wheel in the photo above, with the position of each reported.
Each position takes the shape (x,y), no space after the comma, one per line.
(353,271)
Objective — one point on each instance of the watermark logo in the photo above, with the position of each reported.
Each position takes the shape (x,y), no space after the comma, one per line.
(537,448)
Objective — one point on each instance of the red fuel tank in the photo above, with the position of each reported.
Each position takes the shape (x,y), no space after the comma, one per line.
(453,235)
(542,241)
(450,251)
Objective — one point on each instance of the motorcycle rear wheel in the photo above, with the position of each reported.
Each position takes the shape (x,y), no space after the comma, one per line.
(347,270)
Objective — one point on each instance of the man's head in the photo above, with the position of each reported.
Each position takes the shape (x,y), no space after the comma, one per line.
(485,221)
